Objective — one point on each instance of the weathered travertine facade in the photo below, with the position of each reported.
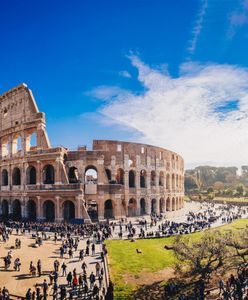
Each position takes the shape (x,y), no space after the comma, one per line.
(115,179)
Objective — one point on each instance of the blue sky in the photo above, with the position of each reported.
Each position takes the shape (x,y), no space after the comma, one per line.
(98,68)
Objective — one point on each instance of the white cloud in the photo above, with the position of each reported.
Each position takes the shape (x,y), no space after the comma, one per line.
(125,74)
(198,26)
(182,113)
(238,18)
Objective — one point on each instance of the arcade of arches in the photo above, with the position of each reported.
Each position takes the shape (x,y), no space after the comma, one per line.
(30,210)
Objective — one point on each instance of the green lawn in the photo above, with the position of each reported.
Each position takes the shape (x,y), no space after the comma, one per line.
(124,261)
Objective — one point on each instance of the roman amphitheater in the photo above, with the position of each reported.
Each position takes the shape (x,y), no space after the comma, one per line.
(113,180)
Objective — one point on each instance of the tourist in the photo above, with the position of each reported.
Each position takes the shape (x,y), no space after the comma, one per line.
(64,267)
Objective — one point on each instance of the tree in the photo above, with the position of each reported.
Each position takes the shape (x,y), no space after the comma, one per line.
(240,189)
(218,185)
(200,259)
(238,243)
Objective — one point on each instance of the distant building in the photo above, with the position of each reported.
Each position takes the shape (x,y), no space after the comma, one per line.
(116,179)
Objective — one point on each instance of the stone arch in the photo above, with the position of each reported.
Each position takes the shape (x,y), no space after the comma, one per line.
(162,205)
(173,204)
(31,175)
(68,211)
(31,210)
(16,210)
(73,175)
(16,176)
(91,174)
(154,206)
(120,176)
(49,211)
(5,209)
(48,174)
(132,207)
(153,178)
(5,177)
(143,178)
(131,178)
(168,206)
(108,209)
(161,178)
(142,206)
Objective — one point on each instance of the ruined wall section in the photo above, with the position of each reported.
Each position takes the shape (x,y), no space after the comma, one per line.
(19,119)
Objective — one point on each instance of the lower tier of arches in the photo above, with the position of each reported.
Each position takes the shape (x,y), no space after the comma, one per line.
(51,210)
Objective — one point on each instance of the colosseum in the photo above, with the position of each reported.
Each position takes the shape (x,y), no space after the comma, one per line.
(113,180)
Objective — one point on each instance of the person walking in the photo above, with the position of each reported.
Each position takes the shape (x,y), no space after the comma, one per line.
(64,267)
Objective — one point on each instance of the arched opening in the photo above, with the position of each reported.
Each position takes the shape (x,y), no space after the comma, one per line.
(16,176)
(33,140)
(162,205)
(31,210)
(142,178)
(108,209)
(16,144)
(168,208)
(173,204)
(91,175)
(167,181)
(142,206)
(154,206)
(31,175)
(120,176)
(5,177)
(161,179)
(49,211)
(153,178)
(92,210)
(73,175)
(5,209)
(108,173)
(131,179)
(16,210)
(177,181)
(132,207)
(48,174)
(68,211)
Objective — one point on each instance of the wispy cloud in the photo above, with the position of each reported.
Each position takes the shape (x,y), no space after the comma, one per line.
(238,18)
(125,73)
(198,26)
(202,114)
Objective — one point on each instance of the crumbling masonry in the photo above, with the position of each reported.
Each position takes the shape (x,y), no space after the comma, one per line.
(116,179)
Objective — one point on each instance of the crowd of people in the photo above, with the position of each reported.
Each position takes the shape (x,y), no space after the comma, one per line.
(92,283)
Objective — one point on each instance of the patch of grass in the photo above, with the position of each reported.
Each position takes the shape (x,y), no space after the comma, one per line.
(124,261)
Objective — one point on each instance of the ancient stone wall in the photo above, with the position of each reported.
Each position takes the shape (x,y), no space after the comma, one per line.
(116,179)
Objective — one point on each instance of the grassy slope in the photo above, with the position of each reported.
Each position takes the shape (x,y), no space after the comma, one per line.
(124,260)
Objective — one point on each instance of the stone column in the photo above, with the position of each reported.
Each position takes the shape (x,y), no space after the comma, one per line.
(58,216)
(23,207)
(100,207)
(79,207)
(39,214)
(38,173)
(58,171)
